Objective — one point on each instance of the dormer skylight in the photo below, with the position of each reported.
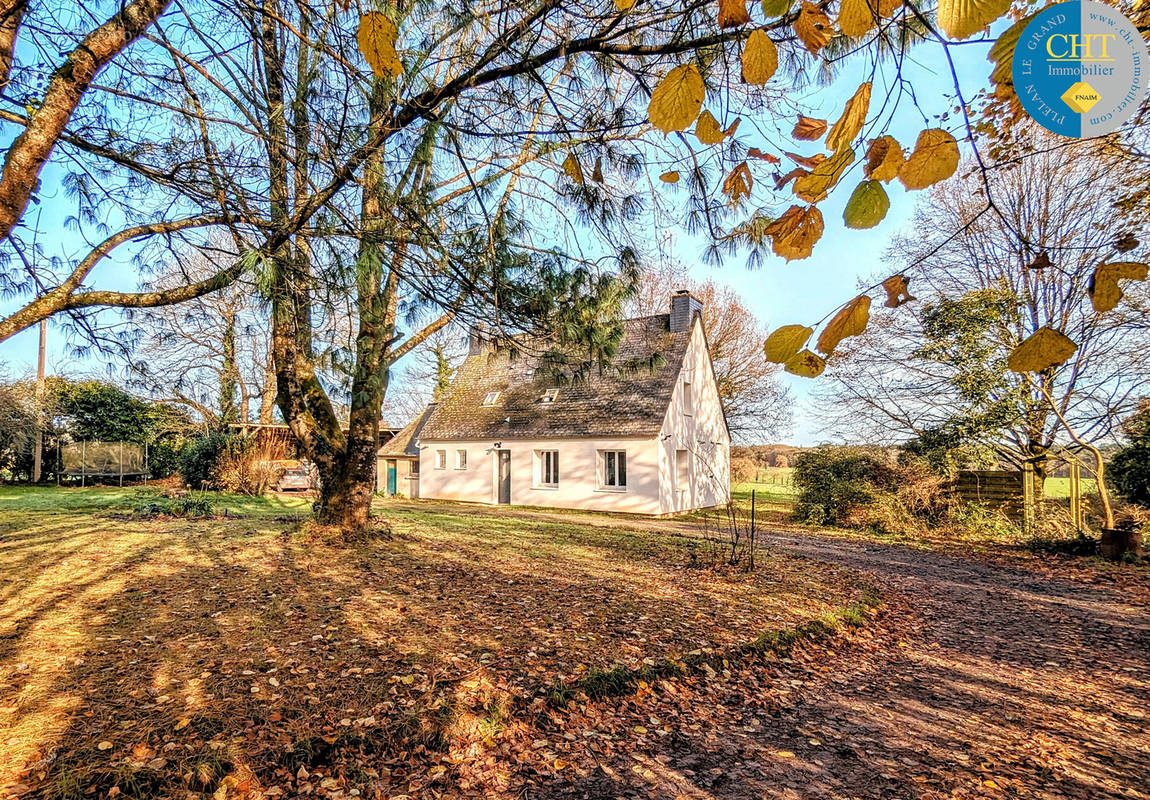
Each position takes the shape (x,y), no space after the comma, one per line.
(491,398)
(549,396)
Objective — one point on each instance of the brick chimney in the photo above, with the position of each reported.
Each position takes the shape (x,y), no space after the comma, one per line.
(476,339)
(684,307)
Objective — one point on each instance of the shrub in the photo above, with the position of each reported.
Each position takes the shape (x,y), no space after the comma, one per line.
(1129,472)
(833,482)
(198,459)
(743,469)
(174,507)
(247,466)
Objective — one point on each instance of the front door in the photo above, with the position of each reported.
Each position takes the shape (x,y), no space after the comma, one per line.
(391,477)
(504,477)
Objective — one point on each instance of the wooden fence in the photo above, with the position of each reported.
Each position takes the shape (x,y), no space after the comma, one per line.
(1013,493)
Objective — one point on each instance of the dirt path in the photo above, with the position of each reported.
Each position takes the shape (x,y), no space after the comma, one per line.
(995,681)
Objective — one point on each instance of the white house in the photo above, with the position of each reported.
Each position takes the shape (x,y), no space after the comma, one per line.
(646,435)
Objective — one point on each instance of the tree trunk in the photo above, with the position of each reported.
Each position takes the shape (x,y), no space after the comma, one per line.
(347,490)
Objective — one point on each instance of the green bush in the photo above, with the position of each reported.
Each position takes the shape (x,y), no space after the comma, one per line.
(834,481)
(199,457)
(1129,472)
(175,507)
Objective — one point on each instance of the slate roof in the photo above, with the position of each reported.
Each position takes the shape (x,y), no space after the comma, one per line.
(626,400)
(403,443)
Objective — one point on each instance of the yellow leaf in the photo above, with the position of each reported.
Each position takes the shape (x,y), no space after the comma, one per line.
(669,177)
(786,754)
(738,184)
(677,99)
(733,13)
(856,17)
(105,745)
(793,235)
(1104,289)
(961,19)
(625,5)
(760,58)
(850,123)
(639,729)
(809,129)
(573,170)
(707,129)
(183,723)
(886,8)
(850,321)
(813,27)
(935,158)
(597,173)
(814,186)
(897,291)
(806,365)
(376,38)
(1044,348)
(776,8)
(883,159)
(783,344)
(867,206)
(561,765)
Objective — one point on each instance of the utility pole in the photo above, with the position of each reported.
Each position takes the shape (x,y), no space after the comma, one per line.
(38,452)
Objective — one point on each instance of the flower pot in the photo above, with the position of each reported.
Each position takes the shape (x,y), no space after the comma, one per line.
(1116,543)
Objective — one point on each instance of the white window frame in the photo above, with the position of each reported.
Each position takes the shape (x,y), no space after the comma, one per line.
(491,399)
(688,398)
(441,459)
(619,457)
(549,396)
(461,458)
(546,466)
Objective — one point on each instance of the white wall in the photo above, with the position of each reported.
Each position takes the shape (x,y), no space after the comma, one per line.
(579,475)
(700,431)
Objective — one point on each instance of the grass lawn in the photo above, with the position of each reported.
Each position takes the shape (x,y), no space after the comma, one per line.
(151,658)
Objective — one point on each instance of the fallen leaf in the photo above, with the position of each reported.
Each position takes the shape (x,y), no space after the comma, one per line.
(105,745)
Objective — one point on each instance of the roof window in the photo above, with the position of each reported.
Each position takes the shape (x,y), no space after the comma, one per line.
(549,396)
(491,398)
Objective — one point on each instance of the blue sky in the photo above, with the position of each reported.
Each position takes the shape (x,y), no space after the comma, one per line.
(779,292)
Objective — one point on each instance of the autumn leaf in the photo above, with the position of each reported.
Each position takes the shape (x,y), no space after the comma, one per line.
(1044,348)
(867,206)
(813,27)
(669,177)
(755,152)
(793,235)
(856,17)
(738,183)
(884,157)
(677,99)
(1041,261)
(809,129)
(806,365)
(733,13)
(1125,243)
(935,158)
(597,173)
(783,180)
(708,132)
(809,162)
(1104,289)
(760,58)
(897,289)
(782,345)
(851,320)
(105,745)
(814,186)
(961,19)
(850,123)
(625,5)
(573,170)
(776,8)
(376,39)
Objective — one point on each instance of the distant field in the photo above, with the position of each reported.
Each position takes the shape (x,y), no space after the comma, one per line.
(1060,487)
(776,483)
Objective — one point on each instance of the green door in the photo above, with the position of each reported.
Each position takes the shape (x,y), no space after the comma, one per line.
(391,477)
